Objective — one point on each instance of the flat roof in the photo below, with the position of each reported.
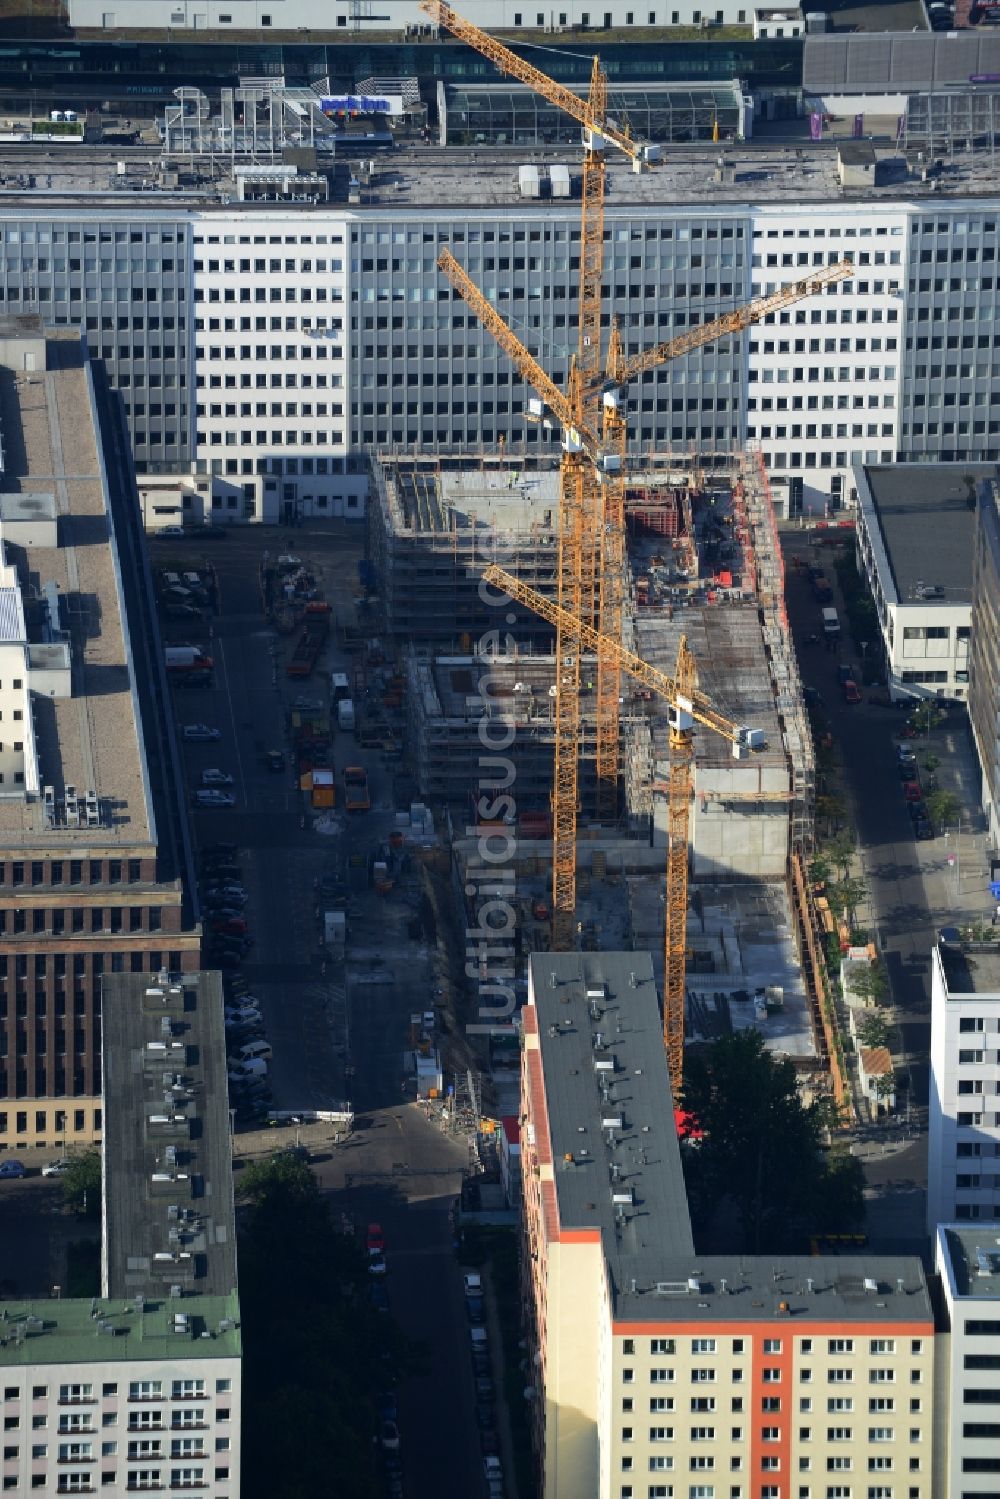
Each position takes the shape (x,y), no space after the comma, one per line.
(603,1058)
(422,175)
(85,1331)
(928,527)
(169,1214)
(974,1256)
(89,740)
(795,1289)
(973,968)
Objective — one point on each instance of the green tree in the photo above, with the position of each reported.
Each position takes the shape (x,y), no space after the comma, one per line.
(840,850)
(873,1029)
(847,895)
(81,1183)
(761,1149)
(840,1205)
(819,870)
(316,1351)
(943,807)
(884,1086)
(832,810)
(870,984)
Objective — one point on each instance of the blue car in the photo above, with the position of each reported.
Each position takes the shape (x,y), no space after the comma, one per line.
(11,1168)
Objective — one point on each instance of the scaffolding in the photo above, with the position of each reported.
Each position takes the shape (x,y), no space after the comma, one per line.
(769,586)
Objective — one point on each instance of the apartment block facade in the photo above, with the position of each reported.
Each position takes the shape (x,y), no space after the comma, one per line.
(218,331)
(963,1146)
(666,1374)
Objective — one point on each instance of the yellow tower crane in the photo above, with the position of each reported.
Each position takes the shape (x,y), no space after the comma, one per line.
(580,501)
(688,706)
(604,451)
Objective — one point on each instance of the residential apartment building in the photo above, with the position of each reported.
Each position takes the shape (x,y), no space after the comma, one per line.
(140,1388)
(93,849)
(217,325)
(663,1372)
(984,653)
(967,1458)
(963,1148)
(915,529)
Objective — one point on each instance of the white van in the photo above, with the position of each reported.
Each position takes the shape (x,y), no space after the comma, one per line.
(340,687)
(255,1051)
(248,1067)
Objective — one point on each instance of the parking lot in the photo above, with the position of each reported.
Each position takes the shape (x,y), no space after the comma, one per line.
(334,1025)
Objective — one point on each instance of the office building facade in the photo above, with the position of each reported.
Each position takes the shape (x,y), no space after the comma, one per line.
(963,1146)
(217,330)
(93,856)
(967,1260)
(984,658)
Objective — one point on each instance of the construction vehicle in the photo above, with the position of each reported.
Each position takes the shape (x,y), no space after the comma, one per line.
(356,795)
(312,637)
(688,706)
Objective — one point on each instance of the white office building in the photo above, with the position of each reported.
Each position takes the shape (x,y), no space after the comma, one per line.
(967,1434)
(963,1150)
(265,352)
(403,17)
(916,526)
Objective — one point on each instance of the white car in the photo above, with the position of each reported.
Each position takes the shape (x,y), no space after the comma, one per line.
(216,778)
(200,732)
(214,799)
(376,1263)
(56,1168)
(170,531)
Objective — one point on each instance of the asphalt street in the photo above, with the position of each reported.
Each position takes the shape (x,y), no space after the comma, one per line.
(913,889)
(338,1030)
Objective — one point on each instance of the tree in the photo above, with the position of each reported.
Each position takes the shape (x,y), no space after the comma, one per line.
(840,1206)
(81,1183)
(873,1030)
(846,895)
(819,870)
(831,808)
(870,984)
(884,1085)
(761,1149)
(317,1352)
(943,807)
(840,850)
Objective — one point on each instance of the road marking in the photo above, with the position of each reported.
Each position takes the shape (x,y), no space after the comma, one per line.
(232,720)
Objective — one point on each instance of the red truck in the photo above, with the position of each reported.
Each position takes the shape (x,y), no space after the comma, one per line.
(356,797)
(315,628)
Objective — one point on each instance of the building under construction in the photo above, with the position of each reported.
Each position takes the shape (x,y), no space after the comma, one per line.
(433,529)
(463,712)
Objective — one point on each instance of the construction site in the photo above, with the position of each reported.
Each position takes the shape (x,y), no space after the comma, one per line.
(599,676)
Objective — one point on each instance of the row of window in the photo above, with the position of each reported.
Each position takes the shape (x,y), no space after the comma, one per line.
(878,1405)
(138,1389)
(772,1433)
(60,1127)
(259,267)
(82,963)
(771,1345)
(769,1491)
(707,1464)
(74,919)
(71,871)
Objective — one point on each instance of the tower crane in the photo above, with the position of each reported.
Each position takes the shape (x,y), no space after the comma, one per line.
(604,452)
(591,566)
(580,502)
(687,706)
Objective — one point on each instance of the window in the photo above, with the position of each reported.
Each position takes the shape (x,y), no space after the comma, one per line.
(145,1389)
(187,1389)
(75,1392)
(840,1345)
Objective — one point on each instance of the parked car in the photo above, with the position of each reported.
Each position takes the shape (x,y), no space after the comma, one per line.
(230,890)
(474,1309)
(912,791)
(484,1415)
(216,777)
(168,531)
(200,732)
(375,1239)
(845,673)
(389,1436)
(484,1387)
(246,1010)
(387,1405)
(908,770)
(12,1168)
(852,693)
(57,1168)
(376,1264)
(214,799)
(219,851)
(489,1441)
(230,926)
(923,830)
(379,1296)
